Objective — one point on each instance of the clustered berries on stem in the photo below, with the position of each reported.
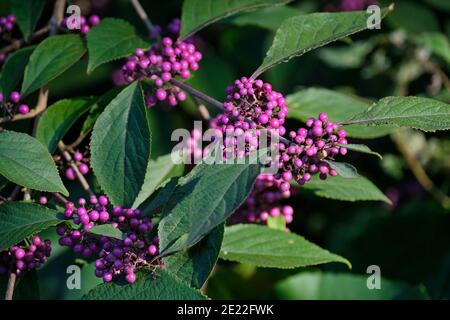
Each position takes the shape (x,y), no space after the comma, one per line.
(116,257)
(12,105)
(80,159)
(165,60)
(310,151)
(85,24)
(263,202)
(19,259)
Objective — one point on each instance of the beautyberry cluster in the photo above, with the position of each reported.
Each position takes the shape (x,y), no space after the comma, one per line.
(12,105)
(115,257)
(263,202)
(254,100)
(19,259)
(310,151)
(80,159)
(165,60)
(85,24)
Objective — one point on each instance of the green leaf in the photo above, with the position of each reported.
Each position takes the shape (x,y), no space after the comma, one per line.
(19,220)
(435,42)
(27,14)
(112,39)
(56,121)
(271,248)
(404,10)
(158,171)
(3,182)
(361,148)
(160,196)
(98,107)
(298,35)
(440,4)
(197,14)
(413,112)
(276,223)
(308,103)
(336,286)
(107,230)
(267,18)
(204,199)
(194,265)
(160,286)
(52,57)
(351,56)
(25,161)
(14,67)
(339,188)
(120,146)
(345,170)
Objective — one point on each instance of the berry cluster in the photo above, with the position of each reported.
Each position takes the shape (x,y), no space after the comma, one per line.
(310,151)
(81,160)
(13,106)
(85,25)
(263,202)
(254,100)
(115,257)
(18,259)
(165,60)
(6,27)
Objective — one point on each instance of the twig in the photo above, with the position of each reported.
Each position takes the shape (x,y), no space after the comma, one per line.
(60,197)
(213,102)
(418,170)
(62,147)
(40,107)
(204,113)
(142,15)
(57,17)
(10,287)
(77,142)
(18,43)
(26,194)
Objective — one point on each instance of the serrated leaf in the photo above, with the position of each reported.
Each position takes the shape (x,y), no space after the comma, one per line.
(204,199)
(107,230)
(197,14)
(342,286)
(339,188)
(345,170)
(298,35)
(194,265)
(27,14)
(158,171)
(120,146)
(112,39)
(437,43)
(412,112)
(271,248)
(98,107)
(160,286)
(19,220)
(51,57)
(56,121)
(14,67)
(362,148)
(267,18)
(26,162)
(308,103)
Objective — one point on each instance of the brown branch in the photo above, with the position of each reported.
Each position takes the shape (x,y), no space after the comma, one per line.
(18,43)
(57,17)
(10,287)
(77,142)
(62,147)
(417,169)
(60,197)
(40,107)
(142,15)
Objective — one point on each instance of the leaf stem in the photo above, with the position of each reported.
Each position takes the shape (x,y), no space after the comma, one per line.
(143,15)
(84,184)
(10,287)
